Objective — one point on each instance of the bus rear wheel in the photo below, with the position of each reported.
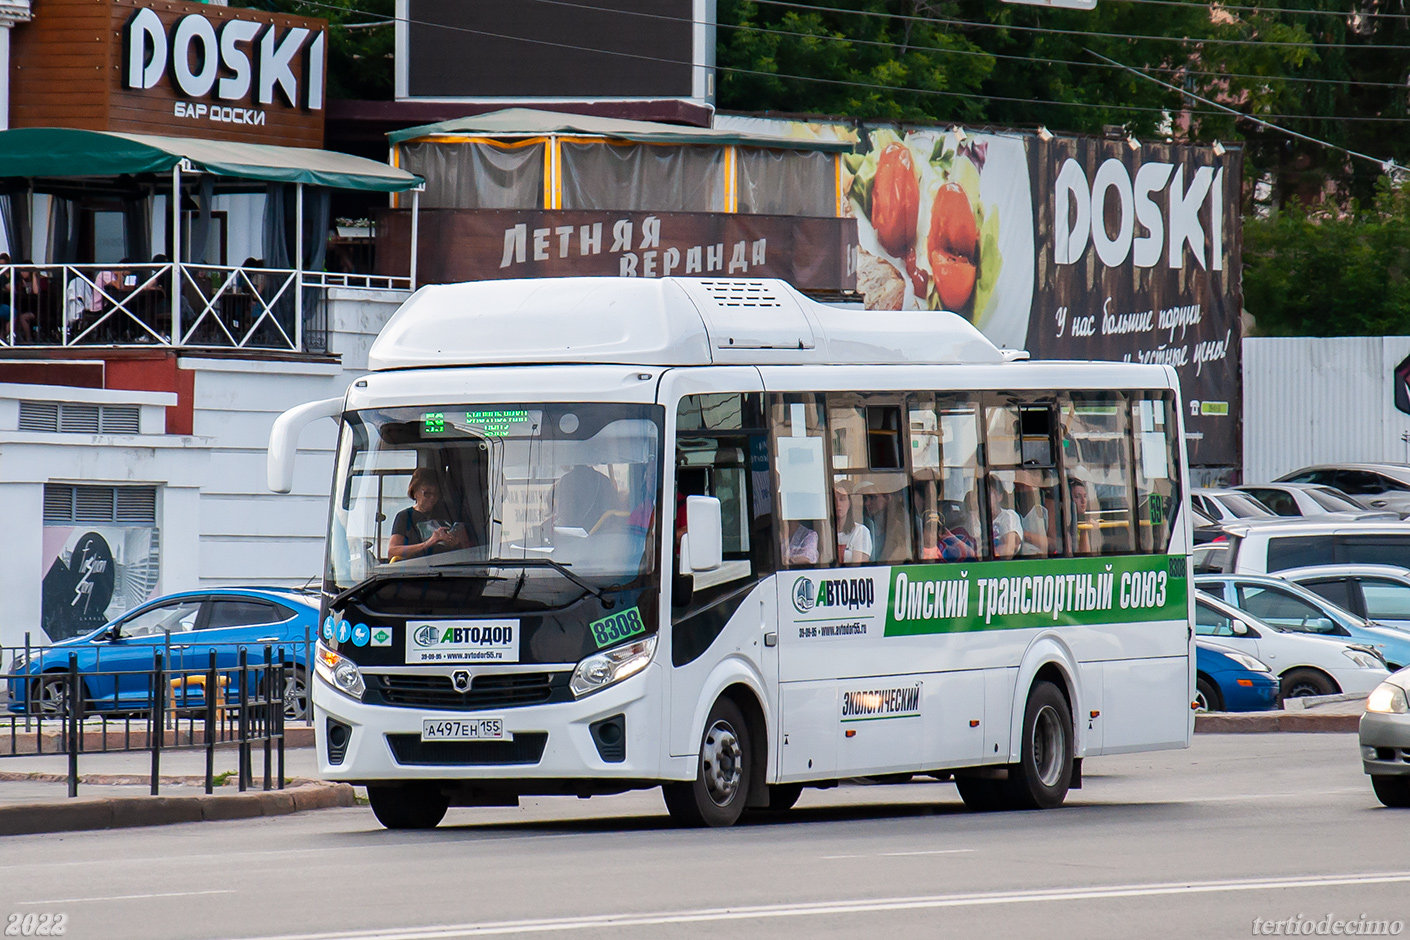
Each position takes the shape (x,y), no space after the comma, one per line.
(1044,770)
(723,773)
(408,806)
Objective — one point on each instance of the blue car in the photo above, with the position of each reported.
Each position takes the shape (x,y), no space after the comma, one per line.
(115,659)
(1227,680)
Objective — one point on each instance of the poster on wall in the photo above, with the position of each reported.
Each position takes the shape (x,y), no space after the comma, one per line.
(95,574)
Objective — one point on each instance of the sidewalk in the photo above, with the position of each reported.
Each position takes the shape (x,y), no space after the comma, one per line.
(114,791)
(1323,713)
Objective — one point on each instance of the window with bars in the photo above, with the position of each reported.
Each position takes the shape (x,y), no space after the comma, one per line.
(69,417)
(66,504)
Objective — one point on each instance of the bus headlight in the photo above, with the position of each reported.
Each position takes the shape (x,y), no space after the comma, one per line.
(342,674)
(612,666)
(1387,698)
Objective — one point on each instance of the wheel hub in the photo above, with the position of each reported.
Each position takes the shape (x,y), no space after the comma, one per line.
(1049,745)
(722,763)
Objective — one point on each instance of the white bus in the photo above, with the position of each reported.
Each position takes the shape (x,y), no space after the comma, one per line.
(595,534)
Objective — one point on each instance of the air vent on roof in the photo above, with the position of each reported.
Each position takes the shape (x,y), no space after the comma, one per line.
(80,417)
(741,294)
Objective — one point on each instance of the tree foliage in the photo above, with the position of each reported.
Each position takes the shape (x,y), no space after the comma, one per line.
(1319,271)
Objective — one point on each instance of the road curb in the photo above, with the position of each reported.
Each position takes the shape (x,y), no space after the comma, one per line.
(125,811)
(1264,722)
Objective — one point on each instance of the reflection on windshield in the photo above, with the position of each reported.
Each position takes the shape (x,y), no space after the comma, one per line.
(426,489)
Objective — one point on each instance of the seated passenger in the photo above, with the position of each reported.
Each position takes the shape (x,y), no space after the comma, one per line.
(425,527)
(801,548)
(582,498)
(854,543)
(1007,524)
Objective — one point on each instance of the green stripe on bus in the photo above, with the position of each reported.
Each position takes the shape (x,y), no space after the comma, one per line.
(1054,592)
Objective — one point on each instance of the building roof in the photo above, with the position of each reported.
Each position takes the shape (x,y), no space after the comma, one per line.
(660,321)
(531,122)
(67,152)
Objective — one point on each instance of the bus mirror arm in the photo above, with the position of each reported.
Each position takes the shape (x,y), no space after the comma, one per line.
(284,440)
(702,547)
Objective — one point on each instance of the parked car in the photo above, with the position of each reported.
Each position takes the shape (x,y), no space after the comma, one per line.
(1295,608)
(1373,485)
(1227,680)
(1256,547)
(1385,740)
(1379,593)
(1317,503)
(190,624)
(1304,664)
(1228,505)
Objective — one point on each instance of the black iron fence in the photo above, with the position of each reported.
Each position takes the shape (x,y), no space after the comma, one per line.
(71,702)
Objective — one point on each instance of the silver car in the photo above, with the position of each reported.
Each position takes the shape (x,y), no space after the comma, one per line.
(1321,503)
(1385,739)
(1223,505)
(1373,485)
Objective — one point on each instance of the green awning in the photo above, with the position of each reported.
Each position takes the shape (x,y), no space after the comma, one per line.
(58,152)
(531,122)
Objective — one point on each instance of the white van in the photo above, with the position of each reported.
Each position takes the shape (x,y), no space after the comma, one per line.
(1268,549)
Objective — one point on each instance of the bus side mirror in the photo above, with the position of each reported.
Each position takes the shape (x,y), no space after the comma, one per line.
(702,547)
(284,440)
(1240,628)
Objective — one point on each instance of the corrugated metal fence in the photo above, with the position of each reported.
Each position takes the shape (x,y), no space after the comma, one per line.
(1316,399)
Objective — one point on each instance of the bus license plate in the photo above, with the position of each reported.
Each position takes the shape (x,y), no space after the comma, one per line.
(463,729)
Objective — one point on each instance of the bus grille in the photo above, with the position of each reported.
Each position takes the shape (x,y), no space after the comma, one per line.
(526,748)
(495,690)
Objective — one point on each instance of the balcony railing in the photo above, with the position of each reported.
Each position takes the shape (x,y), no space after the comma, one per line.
(171,304)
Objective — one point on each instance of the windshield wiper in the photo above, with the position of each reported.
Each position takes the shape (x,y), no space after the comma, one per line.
(399,575)
(537,563)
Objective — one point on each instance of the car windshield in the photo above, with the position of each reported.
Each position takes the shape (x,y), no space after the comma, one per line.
(1332,501)
(1243,506)
(538,501)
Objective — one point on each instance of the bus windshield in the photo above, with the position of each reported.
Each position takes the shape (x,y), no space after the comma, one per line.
(546,500)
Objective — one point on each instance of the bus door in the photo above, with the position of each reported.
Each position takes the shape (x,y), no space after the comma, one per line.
(720,449)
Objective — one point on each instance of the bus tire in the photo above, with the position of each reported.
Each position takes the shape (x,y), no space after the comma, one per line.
(981,794)
(723,772)
(408,806)
(1044,770)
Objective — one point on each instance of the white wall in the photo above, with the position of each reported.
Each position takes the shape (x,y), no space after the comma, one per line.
(1321,400)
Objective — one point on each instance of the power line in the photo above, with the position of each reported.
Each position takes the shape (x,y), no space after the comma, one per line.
(1388,165)
(871,85)
(1343,14)
(1077,32)
(969,52)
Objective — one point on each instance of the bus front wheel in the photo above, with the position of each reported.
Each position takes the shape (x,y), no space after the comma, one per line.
(1044,770)
(408,806)
(723,772)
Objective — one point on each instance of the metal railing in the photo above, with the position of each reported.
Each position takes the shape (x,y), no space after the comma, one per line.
(171,304)
(70,702)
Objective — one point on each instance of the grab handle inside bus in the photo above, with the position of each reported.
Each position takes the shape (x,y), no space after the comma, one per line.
(284,440)
(702,548)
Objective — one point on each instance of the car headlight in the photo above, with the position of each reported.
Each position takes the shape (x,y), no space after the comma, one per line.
(339,672)
(1248,662)
(18,663)
(1387,698)
(1365,660)
(602,669)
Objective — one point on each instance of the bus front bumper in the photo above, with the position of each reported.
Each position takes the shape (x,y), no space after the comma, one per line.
(542,742)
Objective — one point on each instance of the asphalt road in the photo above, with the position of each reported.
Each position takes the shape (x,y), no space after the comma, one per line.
(1192,843)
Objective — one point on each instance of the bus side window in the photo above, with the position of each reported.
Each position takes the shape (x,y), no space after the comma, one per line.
(713,458)
(1026,518)
(1157,469)
(798,440)
(871,507)
(944,436)
(1096,460)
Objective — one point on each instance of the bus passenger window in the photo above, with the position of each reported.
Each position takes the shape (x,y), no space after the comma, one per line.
(1020,451)
(944,433)
(1157,469)
(869,507)
(797,435)
(1096,452)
